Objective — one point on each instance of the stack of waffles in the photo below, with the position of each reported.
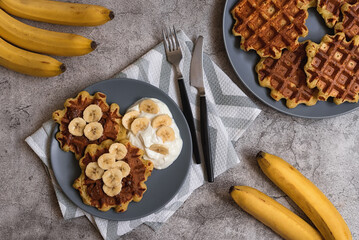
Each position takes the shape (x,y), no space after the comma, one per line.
(113,172)
(302,72)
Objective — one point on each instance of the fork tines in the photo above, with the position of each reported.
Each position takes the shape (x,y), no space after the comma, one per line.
(170,39)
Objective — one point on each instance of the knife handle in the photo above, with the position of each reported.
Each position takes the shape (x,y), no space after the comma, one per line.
(206,146)
(187,112)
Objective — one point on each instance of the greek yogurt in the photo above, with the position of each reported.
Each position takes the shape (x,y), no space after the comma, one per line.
(146,138)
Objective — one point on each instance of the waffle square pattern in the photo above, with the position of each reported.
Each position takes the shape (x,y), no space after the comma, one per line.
(330,10)
(268,26)
(286,77)
(333,67)
(350,23)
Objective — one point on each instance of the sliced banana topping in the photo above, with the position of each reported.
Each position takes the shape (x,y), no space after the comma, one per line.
(128,118)
(166,133)
(112,191)
(123,166)
(149,106)
(106,160)
(162,149)
(161,120)
(112,177)
(119,150)
(93,131)
(93,171)
(92,113)
(153,129)
(76,126)
(139,124)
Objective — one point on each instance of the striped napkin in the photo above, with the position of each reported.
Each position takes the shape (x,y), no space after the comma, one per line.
(230,112)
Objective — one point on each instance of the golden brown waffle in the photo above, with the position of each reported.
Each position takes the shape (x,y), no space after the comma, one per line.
(350,23)
(286,77)
(330,10)
(333,67)
(133,186)
(268,26)
(74,107)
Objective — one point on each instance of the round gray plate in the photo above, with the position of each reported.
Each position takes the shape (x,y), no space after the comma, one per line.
(244,64)
(162,185)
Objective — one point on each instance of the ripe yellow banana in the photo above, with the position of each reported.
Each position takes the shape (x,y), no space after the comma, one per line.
(43,41)
(306,195)
(274,215)
(28,63)
(56,12)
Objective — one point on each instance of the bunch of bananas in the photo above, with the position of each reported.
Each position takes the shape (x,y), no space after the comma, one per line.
(22,46)
(303,192)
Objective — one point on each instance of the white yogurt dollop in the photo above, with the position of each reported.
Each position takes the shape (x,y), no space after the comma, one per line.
(144,139)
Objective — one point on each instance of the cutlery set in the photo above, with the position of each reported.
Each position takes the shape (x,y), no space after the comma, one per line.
(174,56)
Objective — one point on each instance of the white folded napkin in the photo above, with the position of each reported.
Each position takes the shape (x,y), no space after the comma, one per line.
(230,112)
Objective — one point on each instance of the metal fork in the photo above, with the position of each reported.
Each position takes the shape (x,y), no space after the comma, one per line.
(174,56)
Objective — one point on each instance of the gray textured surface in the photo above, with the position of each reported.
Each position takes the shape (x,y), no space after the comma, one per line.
(326,151)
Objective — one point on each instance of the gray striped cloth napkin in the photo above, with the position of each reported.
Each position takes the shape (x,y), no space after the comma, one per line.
(230,112)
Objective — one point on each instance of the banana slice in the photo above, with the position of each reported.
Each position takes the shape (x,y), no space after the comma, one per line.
(166,133)
(139,124)
(93,131)
(161,120)
(162,149)
(112,191)
(93,171)
(106,160)
(123,167)
(112,177)
(149,106)
(128,118)
(119,150)
(92,113)
(76,126)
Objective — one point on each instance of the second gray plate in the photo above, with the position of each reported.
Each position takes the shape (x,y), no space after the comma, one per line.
(244,63)
(162,185)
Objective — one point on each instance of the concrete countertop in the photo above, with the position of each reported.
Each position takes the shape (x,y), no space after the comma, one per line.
(326,151)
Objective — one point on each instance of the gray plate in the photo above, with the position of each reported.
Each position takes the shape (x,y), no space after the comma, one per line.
(162,185)
(244,63)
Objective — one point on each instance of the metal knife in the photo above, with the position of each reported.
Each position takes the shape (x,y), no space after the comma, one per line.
(196,80)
